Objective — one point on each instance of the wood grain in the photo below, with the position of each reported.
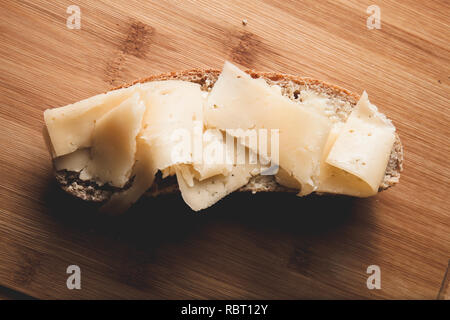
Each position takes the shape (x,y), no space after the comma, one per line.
(247,246)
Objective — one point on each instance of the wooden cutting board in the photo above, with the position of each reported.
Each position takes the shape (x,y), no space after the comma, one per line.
(247,246)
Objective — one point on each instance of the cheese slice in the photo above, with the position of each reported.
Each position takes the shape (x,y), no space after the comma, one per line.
(337,181)
(239,102)
(71,127)
(285,179)
(144,172)
(204,183)
(205,193)
(359,154)
(75,161)
(172,121)
(200,195)
(174,108)
(215,156)
(114,144)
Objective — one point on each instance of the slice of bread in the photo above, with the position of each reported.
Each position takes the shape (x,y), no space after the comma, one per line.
(342,101)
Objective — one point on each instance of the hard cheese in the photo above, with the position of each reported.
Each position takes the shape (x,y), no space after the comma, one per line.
(361,151)
(215,155)
(75,161)
(144,172)
(239,102)
(174,118)
(202,194)
(335,180)
(71,127)
(114,144)
(173,109)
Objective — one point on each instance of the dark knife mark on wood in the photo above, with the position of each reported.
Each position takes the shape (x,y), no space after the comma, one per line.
(134,273)
(136,44)
(137,41)
(245,48)
(114,67)
(28,264)
(300,260)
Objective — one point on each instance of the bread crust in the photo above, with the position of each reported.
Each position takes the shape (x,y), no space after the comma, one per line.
(290,85)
